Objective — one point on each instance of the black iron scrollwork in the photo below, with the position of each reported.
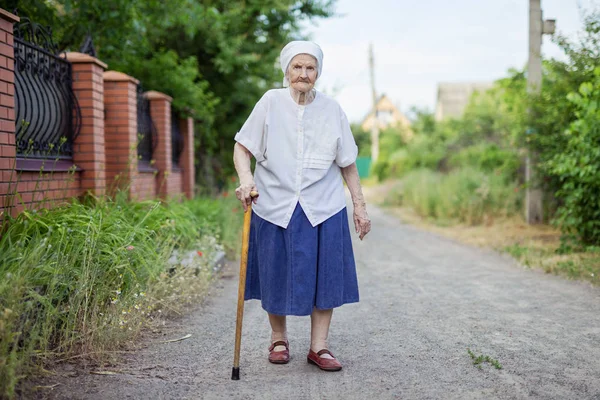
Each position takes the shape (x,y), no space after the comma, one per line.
(88,46)
(48,117)
(36,35)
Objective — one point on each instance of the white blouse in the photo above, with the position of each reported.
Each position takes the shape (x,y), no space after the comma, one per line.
(299,152)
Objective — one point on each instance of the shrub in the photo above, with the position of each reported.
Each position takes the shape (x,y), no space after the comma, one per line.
(397,158)
(426,152)
(390,141)
(577,167)
(487,157)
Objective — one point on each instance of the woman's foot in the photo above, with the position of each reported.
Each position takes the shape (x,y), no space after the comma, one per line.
(279,356)
(324,360)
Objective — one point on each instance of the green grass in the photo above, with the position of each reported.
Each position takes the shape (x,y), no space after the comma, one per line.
(462,196)
(86,277)
(525,254)
(478,360)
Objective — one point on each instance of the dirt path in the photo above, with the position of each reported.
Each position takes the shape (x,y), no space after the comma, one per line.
(424,301)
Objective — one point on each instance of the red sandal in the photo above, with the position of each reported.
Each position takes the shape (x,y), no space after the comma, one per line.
(326,364)
(279,357)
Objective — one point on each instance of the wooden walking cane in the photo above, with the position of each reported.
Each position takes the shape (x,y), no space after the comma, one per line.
(235,373)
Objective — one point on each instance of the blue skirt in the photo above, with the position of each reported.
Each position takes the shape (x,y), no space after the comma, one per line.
(296,269)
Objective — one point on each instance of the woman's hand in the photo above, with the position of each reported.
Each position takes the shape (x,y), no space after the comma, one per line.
(362,223)
(241,160)
(243,193)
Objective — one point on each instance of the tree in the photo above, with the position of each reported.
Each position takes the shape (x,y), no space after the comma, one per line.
(214,57)
(237,43)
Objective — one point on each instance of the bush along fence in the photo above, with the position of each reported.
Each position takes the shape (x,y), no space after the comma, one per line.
(69,127)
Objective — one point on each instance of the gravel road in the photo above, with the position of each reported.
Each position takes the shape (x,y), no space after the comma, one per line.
(424,301)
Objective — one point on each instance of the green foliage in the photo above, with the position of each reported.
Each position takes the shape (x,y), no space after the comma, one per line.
(423,121)
(518,251)
(480,139)
(467,195)
(86,277)
(216,58)
(487,157)
(577,166)
(390,142)
(426,152)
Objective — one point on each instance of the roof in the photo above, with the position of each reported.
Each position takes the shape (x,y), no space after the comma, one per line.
(392,117)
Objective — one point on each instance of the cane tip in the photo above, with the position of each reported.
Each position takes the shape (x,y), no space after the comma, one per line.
(235,374)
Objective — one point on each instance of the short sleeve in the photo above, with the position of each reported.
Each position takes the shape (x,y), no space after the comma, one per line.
(252,135)
(346,149)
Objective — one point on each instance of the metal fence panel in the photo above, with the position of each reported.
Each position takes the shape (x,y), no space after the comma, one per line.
(48,117)
(147,133)
(176,140)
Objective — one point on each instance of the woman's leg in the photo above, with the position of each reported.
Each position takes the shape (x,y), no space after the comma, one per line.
(320,320)
(278,330)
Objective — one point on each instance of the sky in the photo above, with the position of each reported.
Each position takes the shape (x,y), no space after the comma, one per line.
(420,43)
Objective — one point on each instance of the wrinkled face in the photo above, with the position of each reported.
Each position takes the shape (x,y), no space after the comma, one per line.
(302,72)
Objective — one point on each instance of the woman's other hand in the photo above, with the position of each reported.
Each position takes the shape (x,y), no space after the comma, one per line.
(244,194)
(362,223)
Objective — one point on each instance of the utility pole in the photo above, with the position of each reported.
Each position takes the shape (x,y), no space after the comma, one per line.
(375,126)
(537,27)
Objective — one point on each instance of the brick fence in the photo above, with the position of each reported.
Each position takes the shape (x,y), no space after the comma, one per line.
(105,156)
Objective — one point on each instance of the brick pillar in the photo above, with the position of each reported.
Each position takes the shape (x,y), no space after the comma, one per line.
(186,126)
(160,110)
(7,112)
(89,151)
(120,103)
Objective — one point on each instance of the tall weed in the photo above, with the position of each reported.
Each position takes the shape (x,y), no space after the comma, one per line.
(85,277)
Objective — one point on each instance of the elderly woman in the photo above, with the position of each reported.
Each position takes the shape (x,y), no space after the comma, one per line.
(300,260)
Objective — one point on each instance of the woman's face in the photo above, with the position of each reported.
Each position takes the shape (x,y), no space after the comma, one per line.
(302,72)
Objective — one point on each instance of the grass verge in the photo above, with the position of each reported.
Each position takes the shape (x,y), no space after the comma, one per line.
(534,246)
(84,279)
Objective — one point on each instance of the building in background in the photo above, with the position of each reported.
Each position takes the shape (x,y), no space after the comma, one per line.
(453,97)
(388,116)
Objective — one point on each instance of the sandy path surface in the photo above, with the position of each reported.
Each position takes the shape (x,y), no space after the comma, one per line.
(424,301)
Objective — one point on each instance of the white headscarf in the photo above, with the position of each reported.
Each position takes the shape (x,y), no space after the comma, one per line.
(292,49)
